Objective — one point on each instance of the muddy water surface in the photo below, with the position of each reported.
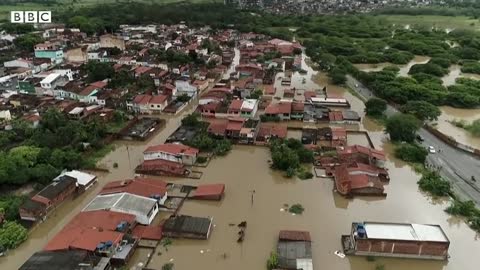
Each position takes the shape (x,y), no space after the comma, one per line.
(404,69)
(459,134)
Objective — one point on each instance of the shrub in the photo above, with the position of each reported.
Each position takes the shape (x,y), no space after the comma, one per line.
(432,183)
(201,160)
(296,209)
(411,153)
(12,234)
(272,262)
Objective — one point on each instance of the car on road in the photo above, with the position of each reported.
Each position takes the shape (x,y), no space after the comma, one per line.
(419,138)
(431,149)
(356,85)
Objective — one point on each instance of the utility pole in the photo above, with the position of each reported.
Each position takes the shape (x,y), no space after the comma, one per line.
(252,194)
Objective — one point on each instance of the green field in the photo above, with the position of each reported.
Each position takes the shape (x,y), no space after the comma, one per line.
(450,22)
(62,4)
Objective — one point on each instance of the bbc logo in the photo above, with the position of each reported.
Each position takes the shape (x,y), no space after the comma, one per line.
(30,16)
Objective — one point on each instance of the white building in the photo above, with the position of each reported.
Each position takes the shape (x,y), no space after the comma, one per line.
(178,153)
(84,180)
(144,209)
(184,87)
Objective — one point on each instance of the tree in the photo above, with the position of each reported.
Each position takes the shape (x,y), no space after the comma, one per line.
(284,158)
(98,71)
(168,266)
(27,42)
(423,110)
(272,262)
(183,98)
(402,127)
(432,182)
(375,106)
(411,153)
(337,76)
(12,234)
(191,120)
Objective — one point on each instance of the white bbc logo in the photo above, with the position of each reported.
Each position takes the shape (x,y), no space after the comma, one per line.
(30,16)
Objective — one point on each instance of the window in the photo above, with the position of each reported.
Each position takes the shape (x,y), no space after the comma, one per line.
(158,106)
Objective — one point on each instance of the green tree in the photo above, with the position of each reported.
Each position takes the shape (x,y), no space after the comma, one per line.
(411,153)
(98,71)
(375,106)
(191,120)
(272,262)
(402,127)
(27,42)
(284,158)
(423,110)
(12,234)
(432,183)
(168,266)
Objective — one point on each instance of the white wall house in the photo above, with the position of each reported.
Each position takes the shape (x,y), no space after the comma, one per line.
(178,153)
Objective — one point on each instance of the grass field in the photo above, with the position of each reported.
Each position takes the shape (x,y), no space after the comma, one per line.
(62,4)
(458,22)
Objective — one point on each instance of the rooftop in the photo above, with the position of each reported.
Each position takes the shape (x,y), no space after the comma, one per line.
(145,187)
(172,148)
(405,231)
(58,260)
(122,202)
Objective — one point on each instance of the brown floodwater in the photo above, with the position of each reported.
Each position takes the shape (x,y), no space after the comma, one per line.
(454,72)
(418,59)
(459,134)
(327,215)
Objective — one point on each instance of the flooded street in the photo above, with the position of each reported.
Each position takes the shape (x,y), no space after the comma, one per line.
(327,215)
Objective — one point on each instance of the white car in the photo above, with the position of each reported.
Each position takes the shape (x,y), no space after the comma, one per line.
(431,149)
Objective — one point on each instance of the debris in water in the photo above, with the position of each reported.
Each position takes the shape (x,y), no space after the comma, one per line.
(293,214)
(231,224)
(242,224)
(201,251)
(171,260)
(339,254)
(282,210)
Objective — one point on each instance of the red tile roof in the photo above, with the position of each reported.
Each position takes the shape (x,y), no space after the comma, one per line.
(236,105)
(172,148)
(163,165)
(294,236)
(211,106)
(279,108)
(218,127)
(99,84)
(160,99)
(142,99)
(335,116)
(269,89)
(82,238)
(298,106)
(235,124)
(107,220)
(209,190)
(269,129)
(378,154)
(309,94)
(151,232)
(339,133)
(145,187)
(142,69)
(346,182)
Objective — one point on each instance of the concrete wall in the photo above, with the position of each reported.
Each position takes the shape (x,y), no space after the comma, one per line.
(402,247)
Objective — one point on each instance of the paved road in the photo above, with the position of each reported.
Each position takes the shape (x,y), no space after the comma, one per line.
(454,165)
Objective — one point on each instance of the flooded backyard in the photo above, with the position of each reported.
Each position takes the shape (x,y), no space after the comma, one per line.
(327,215)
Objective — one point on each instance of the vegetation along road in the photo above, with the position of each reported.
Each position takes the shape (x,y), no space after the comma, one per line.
(453,164)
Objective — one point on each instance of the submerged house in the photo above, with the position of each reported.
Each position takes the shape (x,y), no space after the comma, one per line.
(351,181)
(173,152)
(37,207)
(187,227)
(400,240)
(294,250)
